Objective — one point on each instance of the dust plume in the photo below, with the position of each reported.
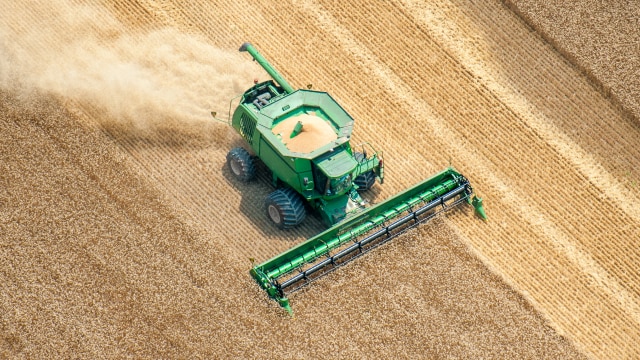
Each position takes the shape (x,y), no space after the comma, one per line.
(140,80)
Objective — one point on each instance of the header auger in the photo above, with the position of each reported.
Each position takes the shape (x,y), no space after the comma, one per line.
(303,136)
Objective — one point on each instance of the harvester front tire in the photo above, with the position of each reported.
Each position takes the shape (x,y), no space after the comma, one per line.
(366,180)
(285,208)
(241,164)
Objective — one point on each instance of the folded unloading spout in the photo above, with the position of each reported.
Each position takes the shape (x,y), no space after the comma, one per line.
(267,67)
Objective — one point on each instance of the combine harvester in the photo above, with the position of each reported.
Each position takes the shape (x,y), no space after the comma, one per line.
(302,136)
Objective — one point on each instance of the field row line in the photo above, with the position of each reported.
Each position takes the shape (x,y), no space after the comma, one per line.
(514,199)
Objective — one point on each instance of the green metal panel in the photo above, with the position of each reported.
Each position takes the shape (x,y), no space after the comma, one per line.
(301,165)
(282,167)
(334,210)
(336,163)
(308,191)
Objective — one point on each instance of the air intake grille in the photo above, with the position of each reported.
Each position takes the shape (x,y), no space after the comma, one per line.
(247,126)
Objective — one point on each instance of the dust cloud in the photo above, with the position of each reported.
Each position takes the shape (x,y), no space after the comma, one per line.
(139,80)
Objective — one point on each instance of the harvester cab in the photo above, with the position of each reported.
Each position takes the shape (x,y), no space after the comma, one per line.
(303,137)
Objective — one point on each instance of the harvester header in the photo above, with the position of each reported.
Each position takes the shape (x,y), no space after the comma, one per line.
(303,137)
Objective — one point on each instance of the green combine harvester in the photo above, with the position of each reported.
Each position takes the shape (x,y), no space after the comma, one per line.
(303,136)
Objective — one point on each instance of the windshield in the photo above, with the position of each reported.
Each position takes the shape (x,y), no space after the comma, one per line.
(340,185)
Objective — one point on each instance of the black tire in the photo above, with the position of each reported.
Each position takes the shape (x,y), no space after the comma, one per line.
(285,208)
(241,164)
(366,180)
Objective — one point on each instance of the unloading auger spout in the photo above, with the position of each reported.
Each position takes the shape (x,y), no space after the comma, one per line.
(267,67)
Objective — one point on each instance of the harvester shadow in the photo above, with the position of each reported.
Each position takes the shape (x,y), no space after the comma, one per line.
(372,195)
(167,136)
(253,195)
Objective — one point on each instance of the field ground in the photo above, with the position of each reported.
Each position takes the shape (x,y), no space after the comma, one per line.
(124,233)
(602,40)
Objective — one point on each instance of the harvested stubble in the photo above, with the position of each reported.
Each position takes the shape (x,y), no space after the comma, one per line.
(95,263)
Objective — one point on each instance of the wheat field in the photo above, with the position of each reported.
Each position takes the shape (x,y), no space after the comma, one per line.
(123,234)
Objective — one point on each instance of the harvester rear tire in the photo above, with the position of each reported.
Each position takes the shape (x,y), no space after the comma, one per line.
(285,208)
(366,180)
(241,164)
